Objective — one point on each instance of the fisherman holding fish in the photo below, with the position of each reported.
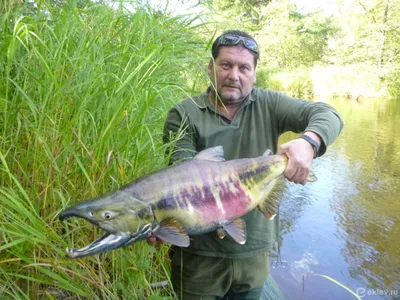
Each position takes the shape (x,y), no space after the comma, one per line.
(206,205)
(246,121)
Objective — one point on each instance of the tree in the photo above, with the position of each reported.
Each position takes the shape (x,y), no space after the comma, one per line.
(370,35)
(292,39)
(287,37)
(248,12)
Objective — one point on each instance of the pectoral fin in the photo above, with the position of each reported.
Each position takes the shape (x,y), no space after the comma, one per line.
(274,193)
(269,208)
(236,229)
(172,232)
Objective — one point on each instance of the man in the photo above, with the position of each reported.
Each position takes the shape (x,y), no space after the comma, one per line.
(245,121)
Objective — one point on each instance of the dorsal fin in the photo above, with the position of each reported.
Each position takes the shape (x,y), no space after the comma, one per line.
(211,154)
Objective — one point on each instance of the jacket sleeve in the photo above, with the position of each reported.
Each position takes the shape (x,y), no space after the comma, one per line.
(179,136)
(301,115)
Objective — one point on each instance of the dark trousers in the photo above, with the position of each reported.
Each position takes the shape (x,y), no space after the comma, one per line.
(214,278)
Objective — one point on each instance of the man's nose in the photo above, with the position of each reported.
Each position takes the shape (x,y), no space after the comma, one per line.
(234,74)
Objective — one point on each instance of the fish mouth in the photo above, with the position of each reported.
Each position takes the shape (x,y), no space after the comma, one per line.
(103,244)
(109,241)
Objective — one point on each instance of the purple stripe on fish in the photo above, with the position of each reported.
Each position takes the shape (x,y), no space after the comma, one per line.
(167,202)
(197,197)
(232,199)
(232,203)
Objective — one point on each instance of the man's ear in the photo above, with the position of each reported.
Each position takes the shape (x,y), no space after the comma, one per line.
(211,67)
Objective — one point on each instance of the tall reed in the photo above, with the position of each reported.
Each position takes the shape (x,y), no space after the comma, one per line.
(84,90)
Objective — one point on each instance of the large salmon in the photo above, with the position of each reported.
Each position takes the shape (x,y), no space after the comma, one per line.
(194,197)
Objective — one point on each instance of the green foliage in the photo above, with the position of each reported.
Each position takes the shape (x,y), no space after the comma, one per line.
(291,39)
(263,79)
(356,33)
(246,12)
(287,38)
(369,35)
(369,30)
(394,85)
(297,83)
(83,95)
(301,87)
(266,79)
(350,81)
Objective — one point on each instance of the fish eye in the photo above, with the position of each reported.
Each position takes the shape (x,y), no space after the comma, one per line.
(91,213)
(107,215)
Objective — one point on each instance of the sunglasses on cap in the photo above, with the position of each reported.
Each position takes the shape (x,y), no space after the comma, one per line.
(231,40)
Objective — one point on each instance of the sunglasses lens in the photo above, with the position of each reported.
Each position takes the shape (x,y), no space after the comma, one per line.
(251,45)
(230,40)
(234,40)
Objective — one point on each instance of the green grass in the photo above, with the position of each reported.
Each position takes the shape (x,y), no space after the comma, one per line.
(84,91)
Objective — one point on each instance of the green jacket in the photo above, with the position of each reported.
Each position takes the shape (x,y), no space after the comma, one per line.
(260,120)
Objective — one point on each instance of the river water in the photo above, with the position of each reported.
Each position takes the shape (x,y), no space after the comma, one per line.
(347,224)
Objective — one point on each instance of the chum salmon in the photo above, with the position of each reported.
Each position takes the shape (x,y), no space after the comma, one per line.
(194,197)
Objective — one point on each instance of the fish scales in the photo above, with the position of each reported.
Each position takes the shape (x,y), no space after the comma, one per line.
(193,189)
(205,191)
(230,196)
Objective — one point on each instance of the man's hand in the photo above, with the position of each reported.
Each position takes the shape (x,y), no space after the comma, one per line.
(154,241)
(300,155)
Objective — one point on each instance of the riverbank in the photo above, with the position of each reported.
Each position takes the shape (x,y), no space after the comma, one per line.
(321,83)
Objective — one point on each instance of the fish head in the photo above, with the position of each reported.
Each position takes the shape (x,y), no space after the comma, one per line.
(124,218)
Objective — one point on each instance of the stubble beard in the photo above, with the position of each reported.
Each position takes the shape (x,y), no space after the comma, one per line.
(228,99)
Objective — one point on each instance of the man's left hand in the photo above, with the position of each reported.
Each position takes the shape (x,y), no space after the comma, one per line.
(300,155)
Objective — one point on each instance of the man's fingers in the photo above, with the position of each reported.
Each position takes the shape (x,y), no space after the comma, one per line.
(296,173)
(296,177)
(152,241)
(300,178)
(282,149)
(299,156)
(290,172)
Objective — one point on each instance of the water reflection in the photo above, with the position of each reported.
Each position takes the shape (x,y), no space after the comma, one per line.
(347,225)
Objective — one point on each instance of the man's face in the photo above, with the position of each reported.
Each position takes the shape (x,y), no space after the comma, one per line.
(234,73)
